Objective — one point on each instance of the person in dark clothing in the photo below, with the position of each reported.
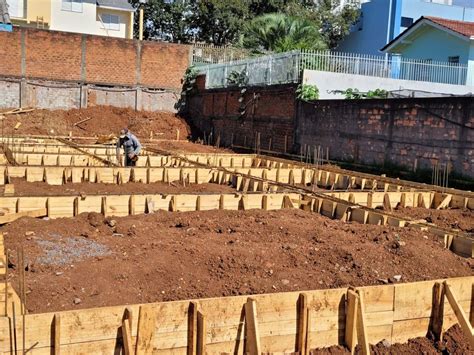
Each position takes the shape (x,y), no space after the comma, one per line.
(131,147)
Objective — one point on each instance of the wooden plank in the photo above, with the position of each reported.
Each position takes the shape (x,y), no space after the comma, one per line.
(302,331)
(201,334)
(361,326)
(146,329)
(436,325)
(57,334)
(352,304)
(42,212)
(252,343)
(192,328)
(459,312)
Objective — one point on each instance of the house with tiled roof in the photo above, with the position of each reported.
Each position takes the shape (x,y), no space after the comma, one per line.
(435,40)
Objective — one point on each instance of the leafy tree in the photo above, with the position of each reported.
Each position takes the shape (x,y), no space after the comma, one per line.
(281,33)
(218,21)
(167,20)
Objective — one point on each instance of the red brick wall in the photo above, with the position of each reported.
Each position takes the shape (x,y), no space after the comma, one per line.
(55,55)
(10,53)
(270,112)
(110,60)
(395,133)
(161,62)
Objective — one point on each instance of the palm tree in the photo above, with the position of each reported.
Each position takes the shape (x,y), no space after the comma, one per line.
(281,33)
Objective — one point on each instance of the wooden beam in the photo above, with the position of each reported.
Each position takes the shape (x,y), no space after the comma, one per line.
(352,304)
(252,335)
(437,314)
(57,334)
(460,315)
(42,212)
(302,331)
(192,328)
(361,326)
(201,334)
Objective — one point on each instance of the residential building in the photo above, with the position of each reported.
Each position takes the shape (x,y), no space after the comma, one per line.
(432,40)
(113,18)
(383,20)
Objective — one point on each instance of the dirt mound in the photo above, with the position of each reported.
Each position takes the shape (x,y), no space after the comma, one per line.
(175,256)
(103,120)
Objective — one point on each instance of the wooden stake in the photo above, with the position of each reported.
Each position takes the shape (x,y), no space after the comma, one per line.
(302,332)
(387,206)
(57,334)
(201,334)
(192,328)
(436,325)
(252,339)
(352,303)
(361,328)
(6,282)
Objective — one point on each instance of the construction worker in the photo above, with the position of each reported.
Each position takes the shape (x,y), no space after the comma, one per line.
(131,146)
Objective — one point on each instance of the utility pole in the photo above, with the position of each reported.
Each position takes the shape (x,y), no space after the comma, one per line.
(140,24)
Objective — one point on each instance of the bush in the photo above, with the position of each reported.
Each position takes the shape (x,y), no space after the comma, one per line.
(307,92)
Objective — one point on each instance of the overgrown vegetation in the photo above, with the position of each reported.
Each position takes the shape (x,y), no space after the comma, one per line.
(238,78)
(189,86)
(225,22)
(307,92)
(355,94)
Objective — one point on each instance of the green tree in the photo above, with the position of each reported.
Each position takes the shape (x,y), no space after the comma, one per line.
(334,24)
(281,33)
(165,20)
(218,21)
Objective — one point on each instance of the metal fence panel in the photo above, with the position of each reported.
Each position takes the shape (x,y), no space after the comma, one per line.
(287,68)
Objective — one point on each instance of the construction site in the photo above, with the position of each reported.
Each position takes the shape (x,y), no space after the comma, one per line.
(232,234)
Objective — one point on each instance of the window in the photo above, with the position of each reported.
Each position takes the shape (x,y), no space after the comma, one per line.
(453,59)
(72,5)
(406,21)
(111,22)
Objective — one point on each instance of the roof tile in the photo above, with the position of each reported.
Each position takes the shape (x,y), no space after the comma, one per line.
(462,27)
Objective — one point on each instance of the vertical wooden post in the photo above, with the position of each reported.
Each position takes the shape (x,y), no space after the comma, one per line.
(387,206)
(192,328)
(252,339)
(127,332)
(352,303)
(302,332)
(57,334)
(201,334)
(361,329)
(436,325)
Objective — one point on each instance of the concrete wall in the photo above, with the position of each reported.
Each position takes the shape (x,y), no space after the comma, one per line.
(328,82)
(58,95)
(409,133)
(60,56)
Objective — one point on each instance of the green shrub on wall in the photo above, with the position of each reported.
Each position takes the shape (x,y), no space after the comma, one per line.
(307,92)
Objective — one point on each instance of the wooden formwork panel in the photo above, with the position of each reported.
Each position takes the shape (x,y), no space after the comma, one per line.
(396,313)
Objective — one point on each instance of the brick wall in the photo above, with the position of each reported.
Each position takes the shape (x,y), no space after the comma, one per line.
(270,113)
(51,55)
(409,133)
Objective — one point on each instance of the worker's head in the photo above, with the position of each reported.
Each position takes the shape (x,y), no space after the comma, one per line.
(123,132)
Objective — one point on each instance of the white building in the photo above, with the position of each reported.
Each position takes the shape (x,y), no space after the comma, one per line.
(113,18)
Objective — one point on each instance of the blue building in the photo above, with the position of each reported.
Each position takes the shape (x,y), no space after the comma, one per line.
(442,49)
(383,20)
